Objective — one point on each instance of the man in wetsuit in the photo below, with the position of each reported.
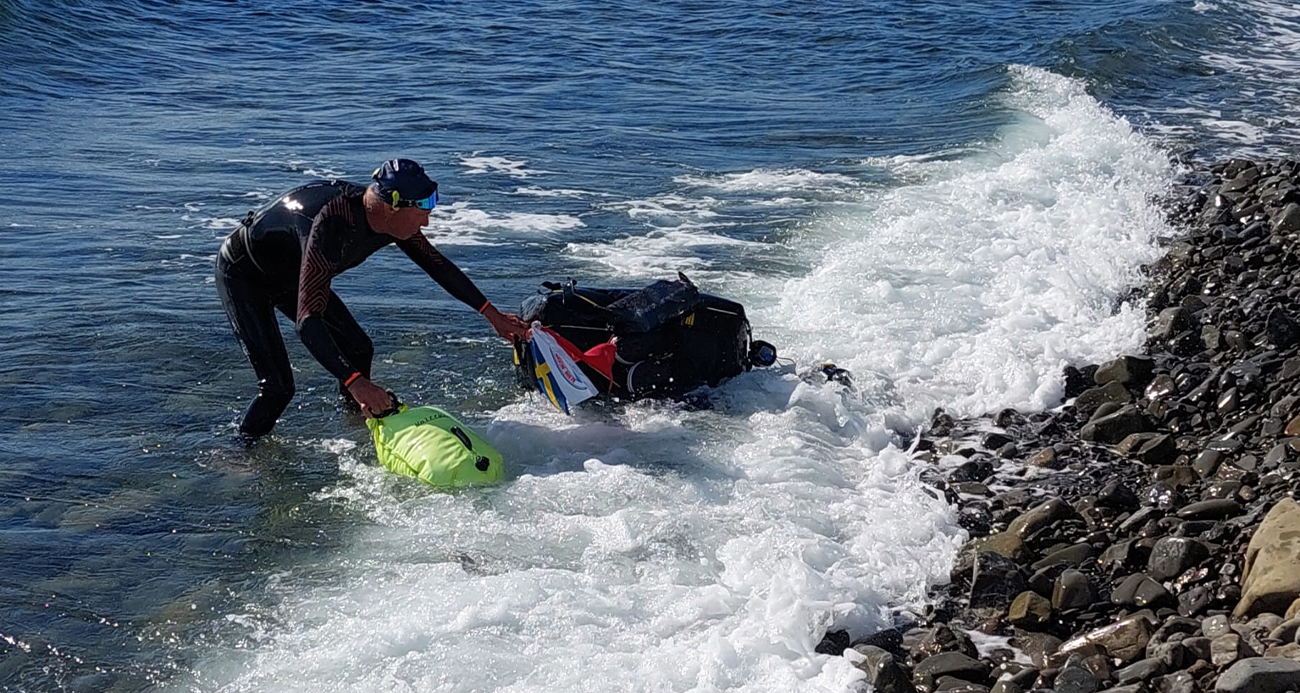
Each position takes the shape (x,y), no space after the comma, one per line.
(283,257)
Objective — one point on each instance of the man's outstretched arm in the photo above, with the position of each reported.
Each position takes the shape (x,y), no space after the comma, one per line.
(454,281)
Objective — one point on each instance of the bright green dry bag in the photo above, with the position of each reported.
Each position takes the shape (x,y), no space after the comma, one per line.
(429,444)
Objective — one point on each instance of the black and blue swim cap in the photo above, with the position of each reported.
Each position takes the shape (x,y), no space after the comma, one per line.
(404,177)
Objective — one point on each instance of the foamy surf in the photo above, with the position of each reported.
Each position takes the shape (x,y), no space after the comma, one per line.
(514,168)
(663,253)
(655,548)
(971,290)
(462,224)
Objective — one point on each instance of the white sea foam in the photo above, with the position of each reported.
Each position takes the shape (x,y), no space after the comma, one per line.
(461,224)
(769,181)
(534,191)
(655,548)
(973,290)
(662,253)
(498,164)
(669,209)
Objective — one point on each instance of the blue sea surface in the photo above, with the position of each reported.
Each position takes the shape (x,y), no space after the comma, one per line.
(136,133)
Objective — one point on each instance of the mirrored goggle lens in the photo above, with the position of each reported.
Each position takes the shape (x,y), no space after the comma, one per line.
(427,203)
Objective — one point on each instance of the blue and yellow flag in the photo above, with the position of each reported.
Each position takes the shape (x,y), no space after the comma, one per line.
(558,376)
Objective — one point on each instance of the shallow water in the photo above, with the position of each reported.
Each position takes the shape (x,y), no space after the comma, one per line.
(949,201)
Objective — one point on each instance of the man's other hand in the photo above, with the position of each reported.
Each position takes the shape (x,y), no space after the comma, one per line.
(507,325)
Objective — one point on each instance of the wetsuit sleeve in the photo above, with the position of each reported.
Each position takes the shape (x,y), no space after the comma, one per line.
(443,271)
(319,265)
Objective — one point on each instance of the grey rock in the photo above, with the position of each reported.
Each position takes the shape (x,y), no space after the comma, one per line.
(1198,646)
(954,664)
(972,470)
(1071,591)
(1163,494)
(1011,543)
(1241,182)
(1177,682)
(1246,462)
(1086,404)
(1270,581)
(1279,455)
(1229,446)
(1228,401)
(1131,371)
(1288,219)
(1172,654)
(1075,680)
(1195,601)
(1260,675)
(1282,330)
(1174,629)
(1289,651)
(1006,686)
(1116,494)
(1286,406)
(1264,623)
(1038,647)
(1106,410)
(1073,556)
(1125,554)
(1212,337)
(1170,322)
(1228,648)
(1141,591)
(1207,463)
(883,673)
(1045,458)
(1218,509)
(1125,640)
(1286,631)
(1112,429)
(952,684)
(1171,556)
(1150,448)
(924,642)
(1214,626)
(1029,610)
(1161,386)
(889,639)
(1236,340)
(995,581)
(1144,670)
(1139,519)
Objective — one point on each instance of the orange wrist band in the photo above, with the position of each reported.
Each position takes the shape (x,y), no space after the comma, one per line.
(351,379)
(485,307)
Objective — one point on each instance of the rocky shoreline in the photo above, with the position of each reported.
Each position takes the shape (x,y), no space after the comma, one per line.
(1144,537)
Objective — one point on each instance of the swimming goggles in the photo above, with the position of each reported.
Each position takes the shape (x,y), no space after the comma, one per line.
(425,203)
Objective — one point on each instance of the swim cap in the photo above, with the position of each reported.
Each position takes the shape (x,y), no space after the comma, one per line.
(404,177)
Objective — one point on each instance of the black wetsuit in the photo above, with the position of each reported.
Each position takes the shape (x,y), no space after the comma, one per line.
(283,257)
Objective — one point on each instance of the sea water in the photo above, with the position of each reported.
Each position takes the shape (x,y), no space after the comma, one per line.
(951,202)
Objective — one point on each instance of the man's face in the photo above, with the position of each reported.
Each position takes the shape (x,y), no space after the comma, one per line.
(407,221)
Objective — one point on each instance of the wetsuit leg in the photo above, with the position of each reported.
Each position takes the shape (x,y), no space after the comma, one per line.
(252,317)
(348,335)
